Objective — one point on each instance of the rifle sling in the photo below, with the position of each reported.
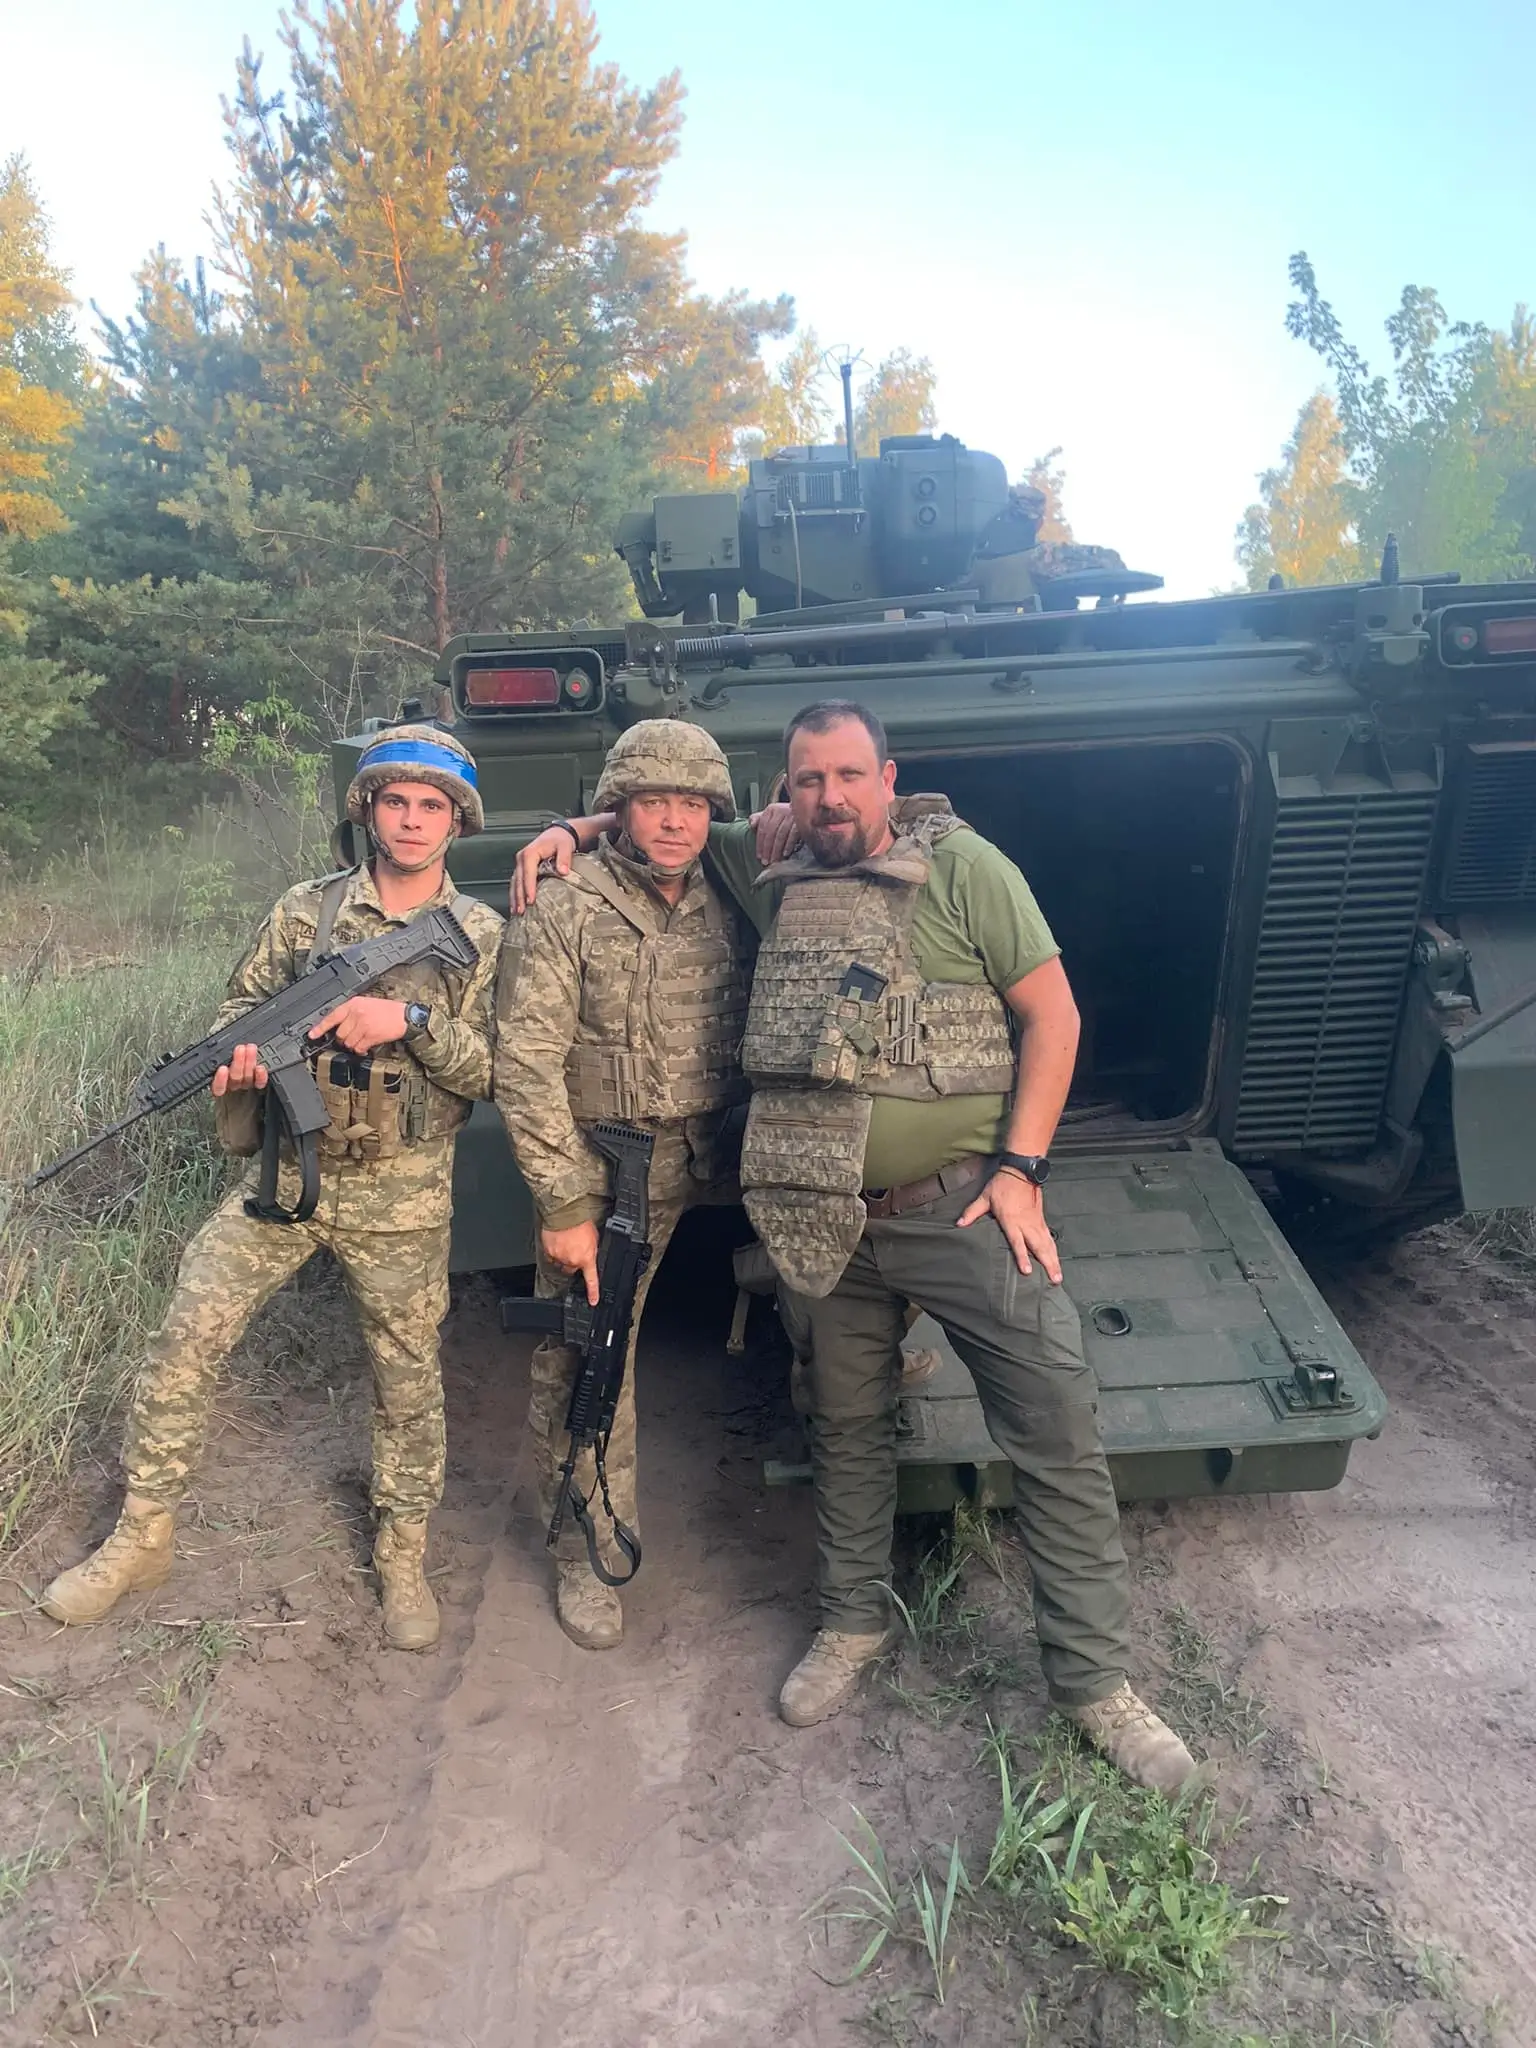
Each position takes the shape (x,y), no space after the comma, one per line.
(264,1206)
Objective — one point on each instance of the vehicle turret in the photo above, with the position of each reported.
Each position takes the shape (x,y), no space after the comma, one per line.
(814,527)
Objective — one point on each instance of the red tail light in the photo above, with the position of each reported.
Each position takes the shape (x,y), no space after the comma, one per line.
(1510,636)
(526,689)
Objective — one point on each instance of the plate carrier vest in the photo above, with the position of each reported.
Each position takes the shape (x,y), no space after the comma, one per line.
(839,1014)
(663,1002)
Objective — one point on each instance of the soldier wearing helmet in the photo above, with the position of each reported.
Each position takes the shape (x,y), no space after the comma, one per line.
(623,994)
(412,1055)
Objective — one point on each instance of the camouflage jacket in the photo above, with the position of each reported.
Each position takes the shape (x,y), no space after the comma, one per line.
(452,1055)
(613,1002)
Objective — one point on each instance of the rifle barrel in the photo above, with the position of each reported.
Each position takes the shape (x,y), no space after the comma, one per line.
(44,1174)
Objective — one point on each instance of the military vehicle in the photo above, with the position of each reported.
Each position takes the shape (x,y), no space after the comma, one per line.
(1287,841)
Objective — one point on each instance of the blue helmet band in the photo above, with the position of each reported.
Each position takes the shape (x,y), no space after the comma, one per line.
(419,754)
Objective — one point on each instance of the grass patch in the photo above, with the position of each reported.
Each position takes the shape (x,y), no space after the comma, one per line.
(1079,1858)
(1198,1698)
(1508,1234)
(87,1262)
(129,1803)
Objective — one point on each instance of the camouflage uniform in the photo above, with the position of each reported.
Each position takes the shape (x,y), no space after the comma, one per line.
(384,1209)
(613,1003)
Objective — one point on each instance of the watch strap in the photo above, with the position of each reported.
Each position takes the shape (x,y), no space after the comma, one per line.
(1034,1166)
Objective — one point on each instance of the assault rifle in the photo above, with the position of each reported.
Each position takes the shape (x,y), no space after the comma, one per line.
(601,1335)
(279,1029)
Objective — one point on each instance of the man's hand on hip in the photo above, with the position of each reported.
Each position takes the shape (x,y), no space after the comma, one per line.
(1020,1213)
(574,1251)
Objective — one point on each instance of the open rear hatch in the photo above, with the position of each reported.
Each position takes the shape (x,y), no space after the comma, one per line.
(1220,1367)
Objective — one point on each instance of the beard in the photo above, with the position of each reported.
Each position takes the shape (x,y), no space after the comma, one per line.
(836,849)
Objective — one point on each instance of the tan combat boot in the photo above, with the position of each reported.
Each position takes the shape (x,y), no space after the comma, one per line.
(1124,1729)
(589,1611)
(135,1558)
(399,1557)
(827,1674)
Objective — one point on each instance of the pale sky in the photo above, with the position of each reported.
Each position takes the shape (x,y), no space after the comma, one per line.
(1082,215)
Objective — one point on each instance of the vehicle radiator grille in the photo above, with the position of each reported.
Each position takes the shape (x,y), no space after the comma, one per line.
(1491,857)
(1346,880)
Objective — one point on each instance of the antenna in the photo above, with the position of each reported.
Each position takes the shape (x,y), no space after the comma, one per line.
(842,358)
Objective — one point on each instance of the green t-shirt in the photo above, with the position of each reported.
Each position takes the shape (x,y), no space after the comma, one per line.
(976,920)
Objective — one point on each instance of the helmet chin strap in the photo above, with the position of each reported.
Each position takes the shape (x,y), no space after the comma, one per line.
(415,867)
(642,859)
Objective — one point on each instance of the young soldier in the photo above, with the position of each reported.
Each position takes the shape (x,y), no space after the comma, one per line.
(622,995)
(896,1150)
(418,1052)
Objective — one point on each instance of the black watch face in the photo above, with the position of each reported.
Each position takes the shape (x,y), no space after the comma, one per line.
(1035,1166)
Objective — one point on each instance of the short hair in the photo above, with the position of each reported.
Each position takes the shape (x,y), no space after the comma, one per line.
(838,711)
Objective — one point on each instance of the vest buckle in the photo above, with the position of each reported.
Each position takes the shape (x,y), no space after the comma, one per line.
(901,1030)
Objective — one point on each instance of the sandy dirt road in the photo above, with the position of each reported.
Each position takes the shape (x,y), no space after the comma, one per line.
(514,1842)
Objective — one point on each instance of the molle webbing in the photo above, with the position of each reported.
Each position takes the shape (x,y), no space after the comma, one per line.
(663,1008)
(840,1014)
(837,999)
(376,1106)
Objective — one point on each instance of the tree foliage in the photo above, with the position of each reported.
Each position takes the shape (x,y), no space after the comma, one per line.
(38,361)
(1437,450)
(1046,475)
(899,398)
(1302,527)
(40,371)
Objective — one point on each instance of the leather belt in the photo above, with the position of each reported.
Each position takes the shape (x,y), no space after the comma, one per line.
(914,1194)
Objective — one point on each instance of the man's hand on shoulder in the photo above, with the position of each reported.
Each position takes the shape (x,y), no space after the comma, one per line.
(777,833)
(554,845)
(1016,1203)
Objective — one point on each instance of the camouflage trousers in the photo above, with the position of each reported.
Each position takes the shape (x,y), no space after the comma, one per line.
(398,1281)
(672,1188)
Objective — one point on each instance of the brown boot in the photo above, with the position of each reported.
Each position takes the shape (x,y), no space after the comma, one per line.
(827,1674)
(1124,1729)
(135,1558)
(589,1611)
(399,1557)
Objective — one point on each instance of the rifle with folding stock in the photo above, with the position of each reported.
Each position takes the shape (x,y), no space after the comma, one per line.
(601,1335)
(279,1029)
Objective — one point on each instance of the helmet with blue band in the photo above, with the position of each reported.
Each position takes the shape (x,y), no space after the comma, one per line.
(417,753)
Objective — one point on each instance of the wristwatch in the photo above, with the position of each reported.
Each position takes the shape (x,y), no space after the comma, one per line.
(1035,1166)
(417,1017)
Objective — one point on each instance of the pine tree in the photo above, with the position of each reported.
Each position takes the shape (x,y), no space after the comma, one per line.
(39,364)
(40,370)
(473,355)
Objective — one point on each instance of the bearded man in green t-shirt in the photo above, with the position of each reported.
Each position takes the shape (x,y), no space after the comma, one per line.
(910,1044)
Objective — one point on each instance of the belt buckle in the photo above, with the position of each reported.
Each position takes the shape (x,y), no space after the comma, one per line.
(877,1201)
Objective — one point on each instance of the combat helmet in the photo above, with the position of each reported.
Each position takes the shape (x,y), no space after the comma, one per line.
(662,754)
(418,753)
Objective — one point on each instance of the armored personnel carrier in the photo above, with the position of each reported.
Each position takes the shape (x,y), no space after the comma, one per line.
(1287,841)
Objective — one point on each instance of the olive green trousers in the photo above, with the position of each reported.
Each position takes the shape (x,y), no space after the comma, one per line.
(1021,1340)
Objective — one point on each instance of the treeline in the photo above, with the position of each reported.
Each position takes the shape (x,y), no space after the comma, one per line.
(440,354)
(1440,450)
